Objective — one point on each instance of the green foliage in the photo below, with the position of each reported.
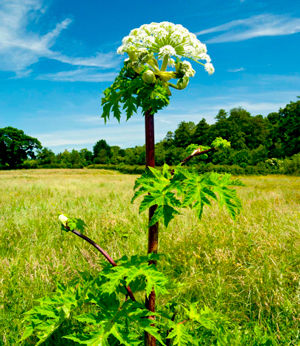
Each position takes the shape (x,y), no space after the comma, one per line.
(184,134)
(192,147)
(217,262)
(111,320)
(220,143)
(132,92)
(73,223)
(43,320)
(104,318)
(184,189)
(16,147)
(289,128)
(253,140)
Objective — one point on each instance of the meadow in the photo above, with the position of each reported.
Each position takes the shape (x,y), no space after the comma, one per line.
(248,270)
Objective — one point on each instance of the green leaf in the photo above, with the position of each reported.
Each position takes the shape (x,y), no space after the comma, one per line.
(121,274)
(130,90)
(181,335)
(165,212)
(158,191)
(115,276)
(94,339)
(44,319)
(123,336)
(74,223)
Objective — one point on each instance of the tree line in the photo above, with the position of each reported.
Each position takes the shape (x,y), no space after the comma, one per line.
(254,140)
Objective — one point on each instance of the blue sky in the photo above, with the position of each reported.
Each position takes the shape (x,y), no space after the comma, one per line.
(57,57)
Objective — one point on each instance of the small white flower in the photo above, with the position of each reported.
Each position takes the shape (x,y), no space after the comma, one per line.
(205,56)
(189,51)
(200,48)
(209,68)
(128,39)
(171,62)
(149,40)
(167,50)
(120,50)
(63,219)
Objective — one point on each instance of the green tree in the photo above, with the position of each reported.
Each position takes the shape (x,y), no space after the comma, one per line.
(76,159)
(64,159)
(259,154)
(273,117)
(16,147)
(184,134)
(289,128)
(98,151)
(86,156)
(222,115)
(46,156)
(200,135)
(102,157)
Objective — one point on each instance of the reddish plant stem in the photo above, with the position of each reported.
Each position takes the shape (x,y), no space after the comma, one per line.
(195,153)
(105,254)
(153,230)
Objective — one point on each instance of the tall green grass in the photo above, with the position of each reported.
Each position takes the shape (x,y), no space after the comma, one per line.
(248,270)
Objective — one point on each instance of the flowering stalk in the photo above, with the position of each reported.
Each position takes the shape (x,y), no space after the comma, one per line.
(142,83)
(153,230)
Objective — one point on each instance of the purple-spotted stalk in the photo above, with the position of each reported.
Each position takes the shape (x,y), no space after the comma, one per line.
(153,230)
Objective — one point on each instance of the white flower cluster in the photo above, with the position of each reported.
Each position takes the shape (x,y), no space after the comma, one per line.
(186,69)
(209,68)
(166,50)
(166,39)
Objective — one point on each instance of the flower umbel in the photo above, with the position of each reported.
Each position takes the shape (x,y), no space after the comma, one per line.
(165,41)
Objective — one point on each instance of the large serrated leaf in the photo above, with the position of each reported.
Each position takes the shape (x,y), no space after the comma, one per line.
(181,335)
(94,339)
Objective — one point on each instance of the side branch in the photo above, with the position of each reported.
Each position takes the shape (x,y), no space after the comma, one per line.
(105,254)
(196,152)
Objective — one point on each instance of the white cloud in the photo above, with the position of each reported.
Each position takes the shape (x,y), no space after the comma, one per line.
(236,69)
(120,135)
(20,48)
(164,121)
(255,26)
(79,75)
(252,107)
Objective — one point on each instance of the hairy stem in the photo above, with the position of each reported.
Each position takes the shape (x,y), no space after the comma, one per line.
(105,254)
(153,230)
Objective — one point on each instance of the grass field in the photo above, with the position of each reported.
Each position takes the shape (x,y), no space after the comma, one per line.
(248,270)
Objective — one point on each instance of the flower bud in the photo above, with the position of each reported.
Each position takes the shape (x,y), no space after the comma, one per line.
(63,219)
(148,77)
(183,82)
(166,76)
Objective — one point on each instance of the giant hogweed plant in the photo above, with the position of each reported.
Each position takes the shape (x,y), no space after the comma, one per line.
(109,308)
